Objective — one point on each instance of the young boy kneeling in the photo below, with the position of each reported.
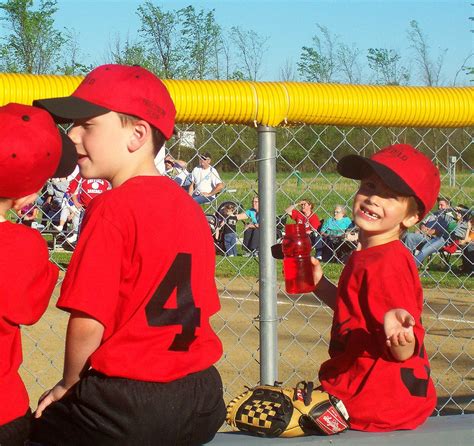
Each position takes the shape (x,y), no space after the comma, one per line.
(378,364)
(31,151)
(140,286)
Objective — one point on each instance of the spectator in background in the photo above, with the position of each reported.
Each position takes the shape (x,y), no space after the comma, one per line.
(28,215)
(434,232)
(307,217)
(82,191)
(55,190)
(333,230)
(205,181)
(467,246)
(177,171)
(228,229)
(251,240)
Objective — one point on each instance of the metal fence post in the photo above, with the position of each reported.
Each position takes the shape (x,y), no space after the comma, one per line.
(267,271)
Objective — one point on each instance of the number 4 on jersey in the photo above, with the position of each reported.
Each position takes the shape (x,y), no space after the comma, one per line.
(186,314)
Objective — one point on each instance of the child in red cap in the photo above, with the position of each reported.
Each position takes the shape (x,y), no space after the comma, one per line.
(31,151)
(378,364)
(140,286)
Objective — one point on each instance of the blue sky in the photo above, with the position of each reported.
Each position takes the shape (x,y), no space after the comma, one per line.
(291,24)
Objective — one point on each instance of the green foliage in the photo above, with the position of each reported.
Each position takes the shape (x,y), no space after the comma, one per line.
(32,44)
(386,65)
(313,66)
(159,46)
(200,38)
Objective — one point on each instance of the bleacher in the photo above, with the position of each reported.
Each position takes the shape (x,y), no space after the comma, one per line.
(454,430)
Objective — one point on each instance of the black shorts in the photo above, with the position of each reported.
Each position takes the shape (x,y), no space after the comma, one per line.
(102,411)
(16,431)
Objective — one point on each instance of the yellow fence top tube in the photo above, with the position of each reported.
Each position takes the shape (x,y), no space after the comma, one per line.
(278,103)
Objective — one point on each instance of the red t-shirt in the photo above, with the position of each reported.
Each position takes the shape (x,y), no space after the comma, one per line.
(311,223)
(87,189)
(380,393)
(27,280)
(144,267)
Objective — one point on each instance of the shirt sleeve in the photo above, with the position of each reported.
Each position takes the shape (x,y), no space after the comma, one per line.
(215,178)
(325,225)
(92,281)
(26,293)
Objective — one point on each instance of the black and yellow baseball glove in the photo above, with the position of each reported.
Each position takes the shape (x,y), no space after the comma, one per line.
(274,411)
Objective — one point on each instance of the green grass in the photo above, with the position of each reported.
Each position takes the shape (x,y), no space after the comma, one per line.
(436,274)
(326,191)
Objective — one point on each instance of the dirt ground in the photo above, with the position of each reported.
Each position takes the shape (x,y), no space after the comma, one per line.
(303,333)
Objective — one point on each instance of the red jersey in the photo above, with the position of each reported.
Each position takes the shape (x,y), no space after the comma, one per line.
(27,280)
(380,393)
(311,223)
(86,189)
(144,267)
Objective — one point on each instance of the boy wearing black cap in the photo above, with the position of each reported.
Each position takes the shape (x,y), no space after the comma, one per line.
(31,151)
(378,364)
(140,288)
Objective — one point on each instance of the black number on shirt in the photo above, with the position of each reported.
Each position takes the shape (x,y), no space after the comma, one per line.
(416,386)
(187,314)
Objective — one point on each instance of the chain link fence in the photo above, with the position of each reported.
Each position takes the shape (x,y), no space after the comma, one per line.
(305,162)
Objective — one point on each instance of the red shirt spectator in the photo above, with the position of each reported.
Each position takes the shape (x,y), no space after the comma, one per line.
(306,216)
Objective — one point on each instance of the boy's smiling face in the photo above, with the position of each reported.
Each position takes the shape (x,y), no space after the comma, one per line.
(380,212)
(101,144)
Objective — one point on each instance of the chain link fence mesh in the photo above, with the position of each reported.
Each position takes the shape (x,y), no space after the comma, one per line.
(306,162)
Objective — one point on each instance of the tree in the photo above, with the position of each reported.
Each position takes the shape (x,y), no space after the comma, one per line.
(250,47)
(318,63)
(386,65)
(430,69)
(128,52)
(72,66)
(287,71)
(160,40)
(348,63)
(200,36)
(32,44)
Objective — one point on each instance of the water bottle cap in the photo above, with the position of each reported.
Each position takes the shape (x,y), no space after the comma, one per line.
(295,229)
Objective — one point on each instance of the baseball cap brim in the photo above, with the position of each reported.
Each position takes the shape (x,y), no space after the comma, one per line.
(70,108)
(68,160)
(354,166)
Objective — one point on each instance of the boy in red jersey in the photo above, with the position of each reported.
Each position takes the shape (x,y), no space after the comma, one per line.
(378,365)
(31,151)
(140,286)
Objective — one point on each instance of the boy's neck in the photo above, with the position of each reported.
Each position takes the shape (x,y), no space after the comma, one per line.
(132,171)
(369,240)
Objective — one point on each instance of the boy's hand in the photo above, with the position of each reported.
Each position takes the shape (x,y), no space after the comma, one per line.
(398,326)
(50,396)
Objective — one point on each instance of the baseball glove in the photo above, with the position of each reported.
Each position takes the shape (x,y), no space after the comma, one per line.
(275,411)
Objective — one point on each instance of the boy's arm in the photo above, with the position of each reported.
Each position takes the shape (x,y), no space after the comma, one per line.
(324,289)
(398,326)
(84,335)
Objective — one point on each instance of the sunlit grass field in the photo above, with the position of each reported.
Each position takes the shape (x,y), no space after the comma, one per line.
(326,191)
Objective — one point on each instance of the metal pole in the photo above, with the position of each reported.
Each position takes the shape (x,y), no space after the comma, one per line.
(267,270)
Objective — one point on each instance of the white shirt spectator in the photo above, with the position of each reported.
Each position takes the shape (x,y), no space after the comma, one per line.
(205,180)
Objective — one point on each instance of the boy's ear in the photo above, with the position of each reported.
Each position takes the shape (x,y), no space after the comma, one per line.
(410,220)
(141,133)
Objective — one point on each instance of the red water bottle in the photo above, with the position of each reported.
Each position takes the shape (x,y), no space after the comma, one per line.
(297,266)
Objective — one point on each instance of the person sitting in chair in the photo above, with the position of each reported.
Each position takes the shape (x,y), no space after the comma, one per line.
(206,182)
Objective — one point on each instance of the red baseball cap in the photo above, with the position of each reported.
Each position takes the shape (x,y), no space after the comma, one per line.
(402,168)
(124,89)
(32,149)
